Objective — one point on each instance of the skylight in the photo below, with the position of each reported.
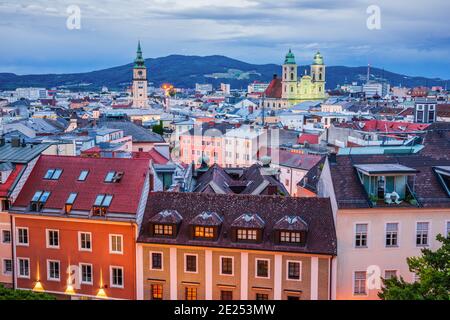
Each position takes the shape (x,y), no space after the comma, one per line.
(71,198)
(83,175)
(110,176)
(103,200)
(53,174)
(41,196)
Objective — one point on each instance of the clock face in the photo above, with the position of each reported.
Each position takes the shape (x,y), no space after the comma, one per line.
(140,72)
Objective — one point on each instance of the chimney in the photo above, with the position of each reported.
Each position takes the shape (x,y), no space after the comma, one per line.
(15,142)
(332,158)
(275,76)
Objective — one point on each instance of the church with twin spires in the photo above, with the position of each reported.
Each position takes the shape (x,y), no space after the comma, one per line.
(290,89)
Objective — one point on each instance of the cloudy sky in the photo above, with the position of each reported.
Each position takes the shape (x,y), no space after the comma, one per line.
(414,37)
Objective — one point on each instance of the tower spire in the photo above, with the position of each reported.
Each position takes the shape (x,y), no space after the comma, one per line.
(139,62)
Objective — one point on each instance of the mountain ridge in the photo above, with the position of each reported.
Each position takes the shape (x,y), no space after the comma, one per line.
(184,71)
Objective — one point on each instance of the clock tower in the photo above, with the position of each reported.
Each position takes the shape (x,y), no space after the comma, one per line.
(139,92)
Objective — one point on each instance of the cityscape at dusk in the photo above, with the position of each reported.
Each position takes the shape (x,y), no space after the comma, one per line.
(248,150)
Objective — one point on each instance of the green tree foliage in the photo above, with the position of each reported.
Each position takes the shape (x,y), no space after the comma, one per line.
(158,128)
(433,270)
(11,294)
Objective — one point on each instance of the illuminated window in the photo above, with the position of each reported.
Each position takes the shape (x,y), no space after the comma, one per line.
(190,293)
(156,292)
(290,237)
(247,234)
(162,229)
(203,232)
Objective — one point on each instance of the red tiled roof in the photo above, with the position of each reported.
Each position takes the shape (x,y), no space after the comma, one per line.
(443,110)
(383,126)
(153,154)
(5,188)
(126,193)
(274,90)
(310,138)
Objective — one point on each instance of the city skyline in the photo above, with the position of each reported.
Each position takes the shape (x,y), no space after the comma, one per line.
(252,31)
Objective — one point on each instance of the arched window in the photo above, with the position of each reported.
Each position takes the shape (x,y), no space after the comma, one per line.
(320,76)
(292,76)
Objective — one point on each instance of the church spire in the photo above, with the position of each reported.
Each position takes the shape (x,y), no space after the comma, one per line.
(139,62)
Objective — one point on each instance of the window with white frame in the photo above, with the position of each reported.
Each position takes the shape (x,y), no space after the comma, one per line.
(53,270)
(86,273)
(389,274)
(359,287)
(262,268)
(22,236)
(115,243)
(246,234)
(23,268)
(422,233)
(52,238)
(190,263)
(85,241)
(117,277)
(7,267)
(226,266)
(361,235)
(156,261)
(391,234)
(6,236)
(294,270)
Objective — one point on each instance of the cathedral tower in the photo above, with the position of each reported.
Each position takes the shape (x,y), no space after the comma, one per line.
(139,91)
(318,74)
(289,80)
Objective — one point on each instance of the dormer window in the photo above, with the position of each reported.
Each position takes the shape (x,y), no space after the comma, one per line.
(38,201)
(53,174)
(386,183)
(205,226)
(443,174)
(291,230)
(204,232)
(162,230)
(83,175)
(69,202)
(101,204)
(248,228)
(113,176)
(247,234)
(165,223)
(290,237)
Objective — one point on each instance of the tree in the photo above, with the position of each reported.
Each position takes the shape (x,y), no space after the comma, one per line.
(11,294)
(433,270)
(158,128)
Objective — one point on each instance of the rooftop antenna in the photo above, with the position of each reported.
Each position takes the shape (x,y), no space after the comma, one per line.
(368,73)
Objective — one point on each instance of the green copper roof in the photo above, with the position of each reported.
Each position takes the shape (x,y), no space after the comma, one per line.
(318,59)
(290,58)
(139,62)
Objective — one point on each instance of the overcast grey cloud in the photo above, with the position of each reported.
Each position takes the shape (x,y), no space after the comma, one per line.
(414,38)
